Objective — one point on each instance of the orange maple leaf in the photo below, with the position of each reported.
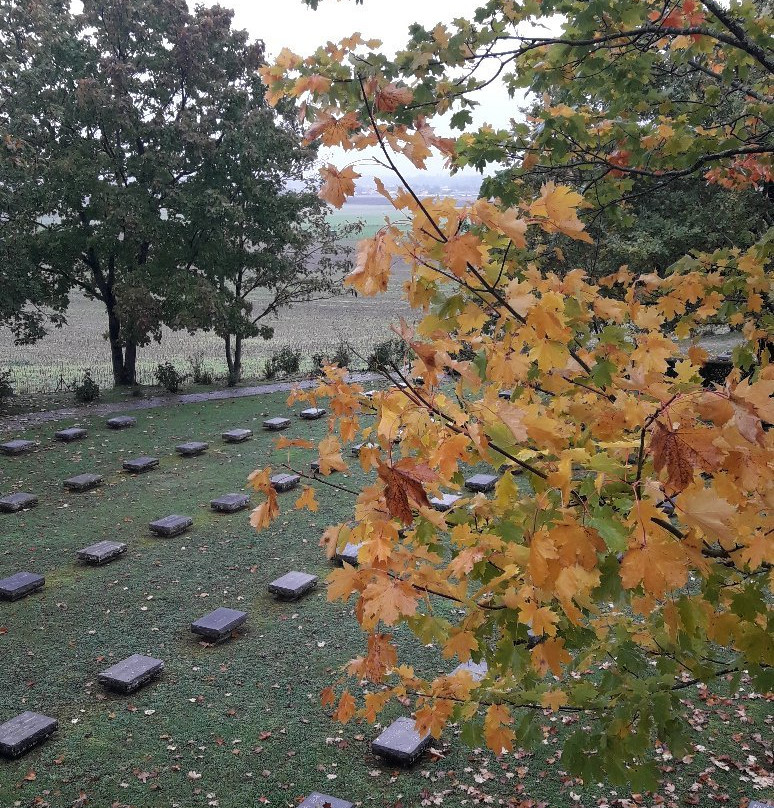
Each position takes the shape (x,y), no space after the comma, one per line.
(330,456)
(390,97)
(403,485)
(307,500)
(461,250)
(499,738)
(346,709)
(266,512)
(683,451)
(333,131)
(337,185)
(388,599)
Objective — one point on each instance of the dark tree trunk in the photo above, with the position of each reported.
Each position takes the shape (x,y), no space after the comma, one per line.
(123,355)
(234,359)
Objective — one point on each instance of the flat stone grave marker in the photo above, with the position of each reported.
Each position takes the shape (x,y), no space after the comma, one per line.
(275,424)
(477,670)
(83,482)
(313,413)
(284,482)
(445,502)
(137,465)
(218,625)
(348,554)
(12,503)
(101,552)
(756,804)
(370,393)
(192,448)
(20,585)
(25,731)
(237,435)
(131,673)
(121,422)
(17,447)
(230,503)
(506,394)
(400,742)
(481,482)
(355,450)
(170,526)
(317,800)
(293,585)
(71,434)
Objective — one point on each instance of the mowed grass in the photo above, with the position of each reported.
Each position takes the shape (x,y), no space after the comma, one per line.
(240,724)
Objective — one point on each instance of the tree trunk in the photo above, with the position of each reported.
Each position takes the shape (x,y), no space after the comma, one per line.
(123,356)
(234,359)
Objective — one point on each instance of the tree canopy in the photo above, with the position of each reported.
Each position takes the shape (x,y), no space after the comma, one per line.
(142,167)
(626,552)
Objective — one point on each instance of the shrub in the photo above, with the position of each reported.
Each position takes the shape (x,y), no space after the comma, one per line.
(200,373)
(87,389)
(342,356)
(169,376)
(284,362)
(319,361)
(389,352)
(6,387)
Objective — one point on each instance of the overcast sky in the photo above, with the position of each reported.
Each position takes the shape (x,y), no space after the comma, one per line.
(292,24)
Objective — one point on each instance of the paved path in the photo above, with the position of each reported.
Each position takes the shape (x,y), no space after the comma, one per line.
(16,423)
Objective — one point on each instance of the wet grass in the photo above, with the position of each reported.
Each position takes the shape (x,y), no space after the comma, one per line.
(238,724)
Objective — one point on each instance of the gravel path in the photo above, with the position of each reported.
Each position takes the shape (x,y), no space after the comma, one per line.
(16,423)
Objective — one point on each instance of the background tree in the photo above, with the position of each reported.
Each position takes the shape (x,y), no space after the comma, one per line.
(266,243)
(631,558)
(131,110)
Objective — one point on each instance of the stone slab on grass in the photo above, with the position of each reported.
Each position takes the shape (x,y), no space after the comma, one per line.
(26,730)
(136,465)
(121,422)
(481,482)
(445,502)
(230,503)
(400,742)
(131,673)
(170,526)
(12,503)
(506,394)
(20,585)
(317,800)
(83,482)
(102,552)
(192,448)
(237,435)
(284,482)
(477,670)
(293,585)
(348,554)
(71,434)
(218,625)
(313,413)
(275,424)
(17,447)
(756,804)
(355,450)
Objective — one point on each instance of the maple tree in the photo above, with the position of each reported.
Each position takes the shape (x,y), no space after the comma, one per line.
(626,552)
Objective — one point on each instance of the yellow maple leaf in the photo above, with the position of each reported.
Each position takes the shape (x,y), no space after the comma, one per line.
(460,250)
(550,655)
(705,509)
(388,600)
(374,259)
(330,456)
(262,516)
(553,699)
(460,643)
(342,582)
(556,209)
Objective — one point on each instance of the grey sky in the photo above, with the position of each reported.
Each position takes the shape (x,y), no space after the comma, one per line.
(292,24)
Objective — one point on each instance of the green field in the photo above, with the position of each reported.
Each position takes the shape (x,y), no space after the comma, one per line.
(241,724)
(316,327)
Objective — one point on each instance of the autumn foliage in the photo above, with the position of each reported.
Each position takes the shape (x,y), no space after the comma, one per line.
(626,552)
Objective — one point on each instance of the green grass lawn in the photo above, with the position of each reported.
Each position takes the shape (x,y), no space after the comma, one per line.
(240,724)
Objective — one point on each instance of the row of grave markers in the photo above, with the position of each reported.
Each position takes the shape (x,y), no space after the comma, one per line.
(400,742)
